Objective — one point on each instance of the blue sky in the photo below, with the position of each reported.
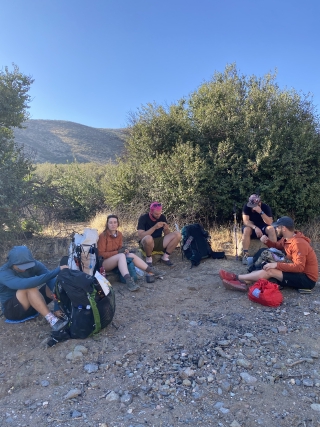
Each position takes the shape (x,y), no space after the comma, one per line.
(96,61)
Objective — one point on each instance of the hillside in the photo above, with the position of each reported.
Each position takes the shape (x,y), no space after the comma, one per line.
(59,141)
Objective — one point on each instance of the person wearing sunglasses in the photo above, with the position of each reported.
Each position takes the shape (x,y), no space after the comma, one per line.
(154,234)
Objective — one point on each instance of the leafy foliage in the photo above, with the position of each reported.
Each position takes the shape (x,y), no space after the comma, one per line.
(233,136)
(15,169)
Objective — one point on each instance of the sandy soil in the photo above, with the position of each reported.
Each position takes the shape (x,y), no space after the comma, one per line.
(180,351)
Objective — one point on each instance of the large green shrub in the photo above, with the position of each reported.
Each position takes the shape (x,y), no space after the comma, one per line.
(234,135)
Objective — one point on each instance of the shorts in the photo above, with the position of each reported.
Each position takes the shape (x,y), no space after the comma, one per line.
(253,235)
(13,310)
(158,244)
(297,281)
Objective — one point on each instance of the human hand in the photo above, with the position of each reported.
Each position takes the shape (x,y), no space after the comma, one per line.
(257,209)
(258,232)
(159,225)
(126,251)
(63,266)
(264,239)
(122,251)
(165,226)
(270,266)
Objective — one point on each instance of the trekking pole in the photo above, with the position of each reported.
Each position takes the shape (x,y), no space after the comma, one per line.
(235,228)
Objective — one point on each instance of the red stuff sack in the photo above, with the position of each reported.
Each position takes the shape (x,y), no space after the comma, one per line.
(265,293)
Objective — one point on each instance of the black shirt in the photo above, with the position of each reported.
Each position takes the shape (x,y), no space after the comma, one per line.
(145,223)
(255,217)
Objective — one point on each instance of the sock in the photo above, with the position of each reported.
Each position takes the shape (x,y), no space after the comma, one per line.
(149,270)
(51,318)
(127,278)
(149,259)
(165,256)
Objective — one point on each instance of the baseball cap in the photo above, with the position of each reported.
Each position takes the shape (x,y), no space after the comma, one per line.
(254,200)
(26,265)
(284,220)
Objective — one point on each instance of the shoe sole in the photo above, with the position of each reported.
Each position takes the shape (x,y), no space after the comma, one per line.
(234,285)
(223,275)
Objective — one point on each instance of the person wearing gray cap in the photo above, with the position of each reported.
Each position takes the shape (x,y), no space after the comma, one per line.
(19,294)
(257,220)
(301,273)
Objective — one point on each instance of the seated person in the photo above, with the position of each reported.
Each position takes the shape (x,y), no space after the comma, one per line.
(19,293)
(114,254)
(150,228)
(257,220)
(301,273)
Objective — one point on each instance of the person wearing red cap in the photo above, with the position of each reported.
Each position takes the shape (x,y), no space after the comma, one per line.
(257,220)
(154,234)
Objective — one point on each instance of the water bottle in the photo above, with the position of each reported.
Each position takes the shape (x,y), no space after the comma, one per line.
(188,243)
(103,271)
(139,271)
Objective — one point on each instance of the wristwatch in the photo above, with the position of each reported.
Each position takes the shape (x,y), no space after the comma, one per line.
(261,213)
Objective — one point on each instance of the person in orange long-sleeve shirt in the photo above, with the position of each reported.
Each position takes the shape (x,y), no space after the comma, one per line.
(301,273)
(110,247)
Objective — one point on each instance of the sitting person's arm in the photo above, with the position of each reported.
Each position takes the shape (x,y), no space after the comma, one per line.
(143,233)
(15,282)
(247,222)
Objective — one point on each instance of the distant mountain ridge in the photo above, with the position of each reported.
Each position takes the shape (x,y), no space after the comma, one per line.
(59,141)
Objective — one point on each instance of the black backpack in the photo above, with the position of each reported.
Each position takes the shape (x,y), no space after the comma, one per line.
(195,243)
(83,301)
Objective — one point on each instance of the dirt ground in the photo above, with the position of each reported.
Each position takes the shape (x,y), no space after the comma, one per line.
(180,351)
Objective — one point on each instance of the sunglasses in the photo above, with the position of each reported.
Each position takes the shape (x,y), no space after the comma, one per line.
(156,205)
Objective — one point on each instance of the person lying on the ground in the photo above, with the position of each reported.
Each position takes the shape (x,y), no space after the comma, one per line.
(257,220)
(154,235)
(301,273)
(19,293)
(110,247)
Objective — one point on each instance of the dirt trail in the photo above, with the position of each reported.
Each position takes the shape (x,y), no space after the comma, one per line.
(181,351)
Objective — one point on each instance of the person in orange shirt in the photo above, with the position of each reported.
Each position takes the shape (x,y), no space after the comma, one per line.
(301,273)
(110,247)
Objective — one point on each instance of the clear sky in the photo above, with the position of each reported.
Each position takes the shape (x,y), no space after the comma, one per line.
(95,61)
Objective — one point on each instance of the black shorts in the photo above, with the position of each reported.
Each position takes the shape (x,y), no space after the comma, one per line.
(158,244)
(253,235)
(297,281)
(13,310)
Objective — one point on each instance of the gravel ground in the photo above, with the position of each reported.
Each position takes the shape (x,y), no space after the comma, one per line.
(181,351)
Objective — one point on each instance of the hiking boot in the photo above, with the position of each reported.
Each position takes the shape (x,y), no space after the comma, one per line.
(166,262)
(234,285)
(226,275)
(156,272)
(60,324)
(245,259)
(132,286)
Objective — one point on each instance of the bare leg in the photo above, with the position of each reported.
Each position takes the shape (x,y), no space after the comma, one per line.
(171,240)
(148,245)
(246,237)
(32,297)
(271,233)
(119,261)
(261,274)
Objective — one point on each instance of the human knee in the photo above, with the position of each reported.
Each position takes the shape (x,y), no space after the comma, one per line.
(147,240)
(247,231)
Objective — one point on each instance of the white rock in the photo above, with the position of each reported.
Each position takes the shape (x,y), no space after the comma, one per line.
(81,348)
(72,393)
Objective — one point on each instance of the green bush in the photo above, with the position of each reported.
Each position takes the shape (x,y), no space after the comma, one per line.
(233,136)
